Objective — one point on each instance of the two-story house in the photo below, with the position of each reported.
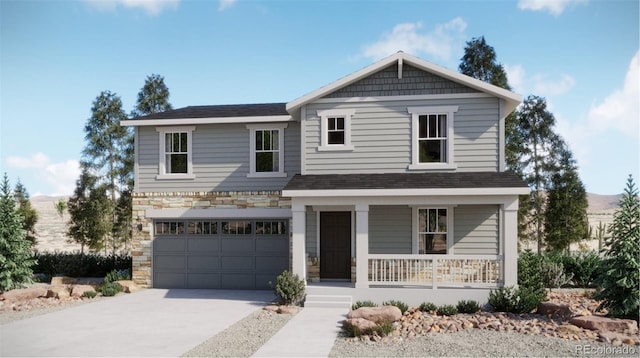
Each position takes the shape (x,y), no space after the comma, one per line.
(389,183)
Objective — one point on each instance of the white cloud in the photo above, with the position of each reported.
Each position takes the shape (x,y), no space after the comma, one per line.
(540,84)
(151,7)
(410,38)
(554,7)
(60,176)
(225,4)
(620,110)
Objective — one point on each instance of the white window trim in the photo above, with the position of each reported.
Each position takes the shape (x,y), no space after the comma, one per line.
(162,166)
(324,127)
(416,227)
(252,150)
(416,112)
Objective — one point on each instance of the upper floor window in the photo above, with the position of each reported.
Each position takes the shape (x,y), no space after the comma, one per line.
(432,137)
(175,153)
(266,150)
(335,129)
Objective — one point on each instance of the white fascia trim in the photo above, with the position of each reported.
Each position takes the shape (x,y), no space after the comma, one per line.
(208,120)
(422,97)
(403,192)
(502,166)
(251,213)
(512,99)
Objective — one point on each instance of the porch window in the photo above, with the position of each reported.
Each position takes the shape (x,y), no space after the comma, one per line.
(335,130)
(432,231)
(267,151)
(432,137)
(175,153)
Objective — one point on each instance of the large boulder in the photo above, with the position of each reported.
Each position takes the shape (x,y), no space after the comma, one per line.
(58,292)
(554,309)
(377,314)
(63,280)
(128,286)
(25,294)
(606,324)
(79,290)
(361,323)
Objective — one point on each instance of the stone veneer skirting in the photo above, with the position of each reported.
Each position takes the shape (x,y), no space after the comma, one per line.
(141,244)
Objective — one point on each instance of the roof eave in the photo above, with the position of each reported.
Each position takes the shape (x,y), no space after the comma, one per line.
(308,193)
(206,120)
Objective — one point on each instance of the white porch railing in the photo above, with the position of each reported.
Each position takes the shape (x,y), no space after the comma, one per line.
(436,270)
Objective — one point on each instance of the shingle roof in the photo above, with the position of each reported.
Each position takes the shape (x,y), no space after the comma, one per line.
(406,181)
(228,110)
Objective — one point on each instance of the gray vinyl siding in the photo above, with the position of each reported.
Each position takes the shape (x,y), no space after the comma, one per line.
(311,233)
(413,82)
(220,160)
(390,230)
(476,230)
(381,136)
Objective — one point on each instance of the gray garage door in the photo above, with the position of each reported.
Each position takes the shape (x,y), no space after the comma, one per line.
(232,254)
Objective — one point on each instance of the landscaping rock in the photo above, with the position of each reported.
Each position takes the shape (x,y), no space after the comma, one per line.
(271,308)
(287,310)
(361,323)
(128,286)
(554,309)
(63,280)
(79,290)
(25,294)
(377,314)
(58,292)
(606,324)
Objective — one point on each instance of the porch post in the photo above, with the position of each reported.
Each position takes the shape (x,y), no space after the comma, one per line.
(298,255)
(362,245)
(510,252)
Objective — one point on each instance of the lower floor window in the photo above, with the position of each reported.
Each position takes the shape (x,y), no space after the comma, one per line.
(432,231)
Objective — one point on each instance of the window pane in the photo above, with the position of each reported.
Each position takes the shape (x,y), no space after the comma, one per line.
(433,126)
(275,140)
(442,220)
(183,142)
(432,220)
(422,127)
(422,226)
(276,162)
(442,129)
(340,123)
(433,244)
(430,151)
(167,142)
(175,142)
(266,142)
(177,163)
(264,162)
(335,138)
(258,140)
(331,125)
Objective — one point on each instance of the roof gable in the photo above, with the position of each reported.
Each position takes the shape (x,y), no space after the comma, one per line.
(401,61)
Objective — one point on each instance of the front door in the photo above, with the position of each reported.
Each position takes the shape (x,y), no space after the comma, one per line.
(335,245)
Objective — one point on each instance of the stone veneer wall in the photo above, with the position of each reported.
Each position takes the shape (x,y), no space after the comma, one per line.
(141,247)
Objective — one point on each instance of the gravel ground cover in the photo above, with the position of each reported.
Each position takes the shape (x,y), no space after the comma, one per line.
(244,338)
(39,306)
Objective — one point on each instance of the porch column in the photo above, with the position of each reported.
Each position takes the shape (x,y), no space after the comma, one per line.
(510,227)
(298,255)
(362,245)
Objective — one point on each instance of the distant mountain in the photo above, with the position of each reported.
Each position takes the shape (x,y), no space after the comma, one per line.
(599,203)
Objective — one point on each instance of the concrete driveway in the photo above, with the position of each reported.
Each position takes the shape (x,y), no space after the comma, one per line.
(153,322)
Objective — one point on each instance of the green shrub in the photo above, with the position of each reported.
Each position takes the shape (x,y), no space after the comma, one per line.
(289,288)
(401,305)
(553,274)
(529,267)
(585,268)
(428,307)
(89,294)
(117,275)
(384,329)
(77,264)
(469,306)
(110,289)
(447,310)
(359,304)
(520,300)
(351,330)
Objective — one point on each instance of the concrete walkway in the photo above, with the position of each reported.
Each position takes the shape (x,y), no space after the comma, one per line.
(153,322)
(310,333)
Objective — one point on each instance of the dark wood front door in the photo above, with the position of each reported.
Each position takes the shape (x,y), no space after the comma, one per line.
(335,245)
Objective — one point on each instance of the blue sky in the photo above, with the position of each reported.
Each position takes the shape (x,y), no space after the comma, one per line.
(57,56)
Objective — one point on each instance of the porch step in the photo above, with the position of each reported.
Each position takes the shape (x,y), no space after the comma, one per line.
(328,301)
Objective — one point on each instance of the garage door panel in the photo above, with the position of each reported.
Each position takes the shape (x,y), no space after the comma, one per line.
(169,280)
(169,244)
(237,263)
(244,245)
(271,264)
(203,280)
(238,281)
(262,281)
(199,245)
(272,245)
(169,262)
(203,263)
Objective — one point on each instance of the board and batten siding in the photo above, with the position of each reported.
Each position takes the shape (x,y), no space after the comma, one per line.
(381,136)
(390,230)
(476,230)
(220,160)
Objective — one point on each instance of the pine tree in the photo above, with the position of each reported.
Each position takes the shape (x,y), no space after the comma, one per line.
(89,211)
(620,281)
(28,213)
(566,210)
(16,258)
(153,97)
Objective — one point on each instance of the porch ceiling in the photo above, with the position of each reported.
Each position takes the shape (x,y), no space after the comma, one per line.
(446,183)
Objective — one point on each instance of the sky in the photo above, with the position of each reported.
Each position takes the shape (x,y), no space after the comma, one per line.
(56,57)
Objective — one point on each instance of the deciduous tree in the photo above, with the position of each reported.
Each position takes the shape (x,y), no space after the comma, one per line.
(89,210)
(28,213)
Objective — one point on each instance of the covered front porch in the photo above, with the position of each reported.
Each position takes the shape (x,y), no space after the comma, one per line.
(405,242)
